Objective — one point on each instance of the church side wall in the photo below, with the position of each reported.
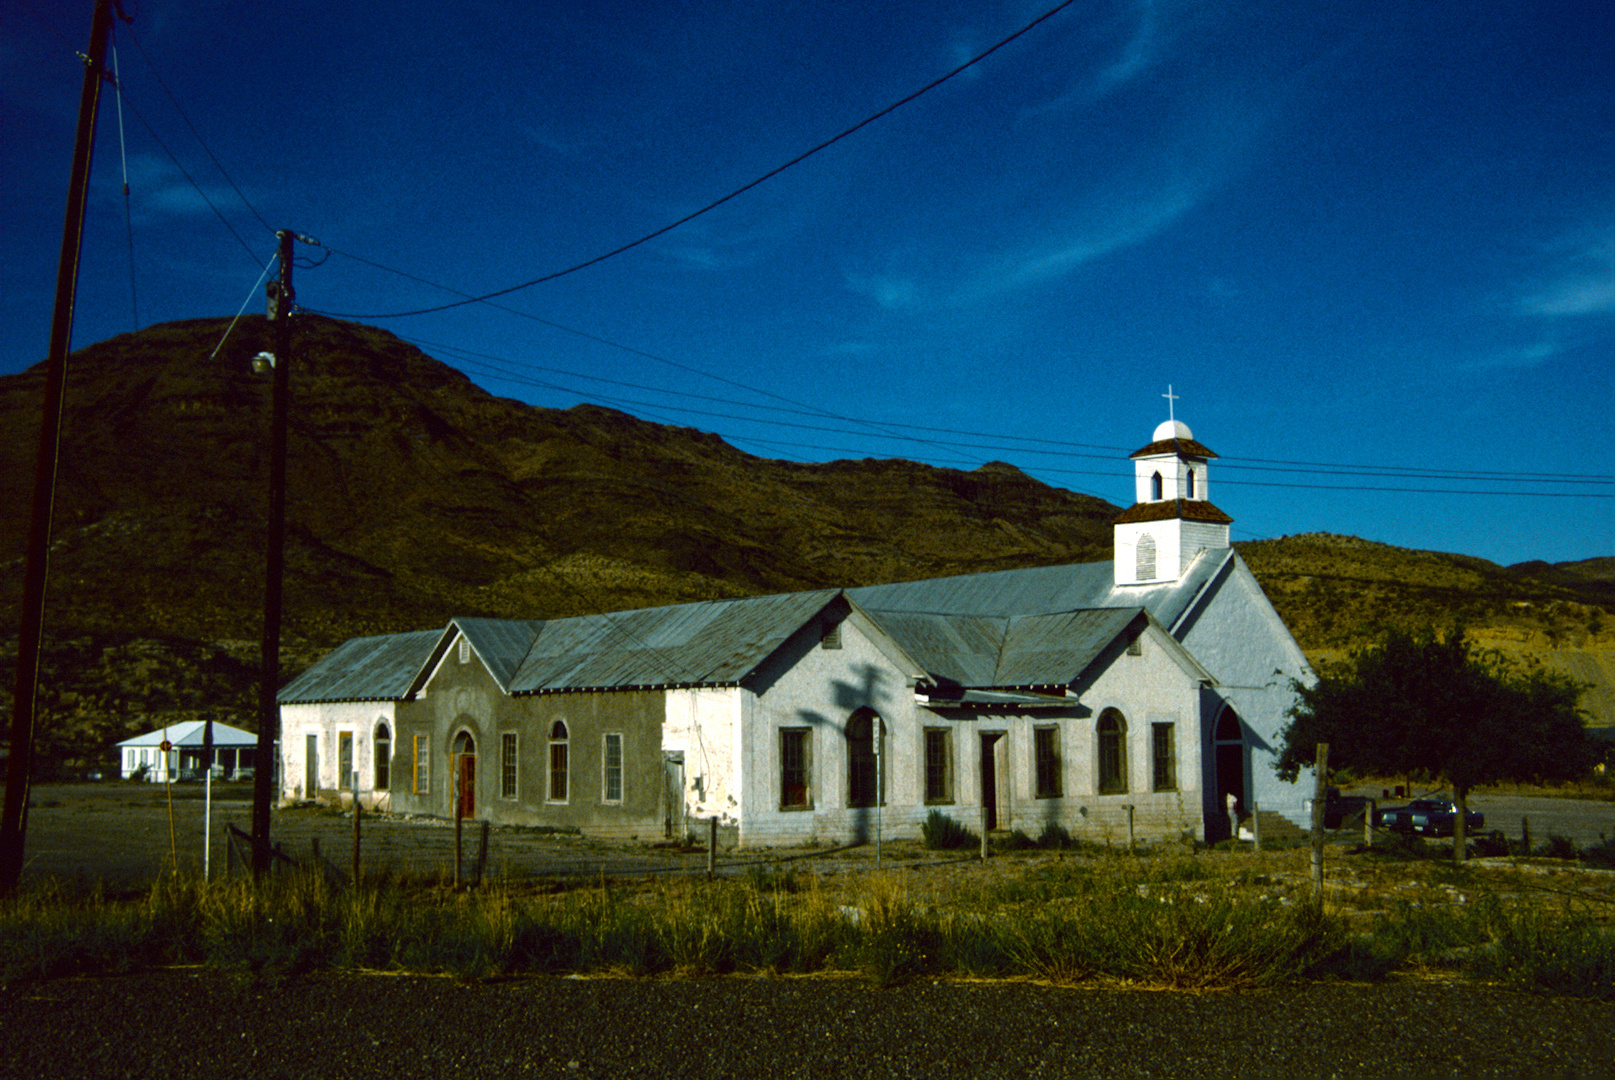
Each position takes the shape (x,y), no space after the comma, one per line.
(564,783)
(1145,690)
(702,728)
(1240,638)
(808,693)
(326,723)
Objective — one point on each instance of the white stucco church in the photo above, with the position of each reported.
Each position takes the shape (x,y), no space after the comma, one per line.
(1149,688)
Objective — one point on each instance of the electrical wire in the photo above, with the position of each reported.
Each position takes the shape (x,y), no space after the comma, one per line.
(627,404)
(217,164)
(737,192)
(497,368)
(128,213)
(194,185)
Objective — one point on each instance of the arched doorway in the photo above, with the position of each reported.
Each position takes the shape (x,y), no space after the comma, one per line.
(1231,756)
(382,741)
(864,787)
(464,758)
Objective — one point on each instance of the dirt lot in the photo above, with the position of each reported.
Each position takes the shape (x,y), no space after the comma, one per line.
(123,835)
(119,834)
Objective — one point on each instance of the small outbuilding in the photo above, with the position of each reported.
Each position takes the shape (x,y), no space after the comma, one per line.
(145,757)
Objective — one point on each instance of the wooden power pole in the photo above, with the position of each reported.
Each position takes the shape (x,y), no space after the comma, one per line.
(13,820)
(263,778)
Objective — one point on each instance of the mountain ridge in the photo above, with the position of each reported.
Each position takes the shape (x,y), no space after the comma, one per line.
(414,495)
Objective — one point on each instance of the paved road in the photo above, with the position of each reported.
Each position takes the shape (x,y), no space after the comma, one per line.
(179,1025)
(1584,821)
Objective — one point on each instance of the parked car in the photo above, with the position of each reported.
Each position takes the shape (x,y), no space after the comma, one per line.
(1432,816)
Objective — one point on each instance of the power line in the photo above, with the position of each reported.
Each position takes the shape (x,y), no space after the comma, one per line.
(798,159)
(197,134)
(934,436)
(629,403)
(499,367)
(256,259)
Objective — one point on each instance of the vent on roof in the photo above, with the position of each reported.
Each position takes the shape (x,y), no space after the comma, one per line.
(832,636)
(465,651)
(1136,646)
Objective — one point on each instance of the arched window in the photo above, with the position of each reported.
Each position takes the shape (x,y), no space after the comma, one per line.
(558,763)
(383,743)
(863,727)
(1146,557)
(1191,483)
(1155,487)
(1112,730)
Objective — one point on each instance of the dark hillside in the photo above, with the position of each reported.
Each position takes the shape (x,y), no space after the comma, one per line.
(415,495)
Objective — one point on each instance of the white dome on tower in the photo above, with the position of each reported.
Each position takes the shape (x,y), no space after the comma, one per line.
(1172,429)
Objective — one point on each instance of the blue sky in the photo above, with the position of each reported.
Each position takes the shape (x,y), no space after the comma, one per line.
(1370,246)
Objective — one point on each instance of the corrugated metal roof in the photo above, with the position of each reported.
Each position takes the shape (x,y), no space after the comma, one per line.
(1034,650)
(500,643)
(191,733)
(1052,650)
(1008,628)
(958,649)
(1044,590)
(712,642)
(364,669)
(992,699)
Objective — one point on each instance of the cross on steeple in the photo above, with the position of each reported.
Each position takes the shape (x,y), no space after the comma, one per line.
(1170,398)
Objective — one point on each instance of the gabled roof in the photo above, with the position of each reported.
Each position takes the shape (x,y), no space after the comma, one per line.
(1044,590)
(714,642)
(499,643)
(1001,630)
(1015,651)
(193,733)
(364,669)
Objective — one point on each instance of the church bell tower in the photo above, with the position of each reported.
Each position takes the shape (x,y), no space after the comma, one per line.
(1171,520)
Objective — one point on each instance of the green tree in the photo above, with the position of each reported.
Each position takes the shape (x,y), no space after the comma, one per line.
(1416,704)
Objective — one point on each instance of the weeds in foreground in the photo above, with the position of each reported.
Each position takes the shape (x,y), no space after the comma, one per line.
(1169,921)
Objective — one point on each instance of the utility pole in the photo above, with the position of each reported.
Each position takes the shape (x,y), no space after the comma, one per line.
(280,313)
(13,820)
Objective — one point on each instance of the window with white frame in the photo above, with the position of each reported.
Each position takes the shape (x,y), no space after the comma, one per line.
(1046,757)
(507,765)
(611,768)
(558,761)
(1112,732)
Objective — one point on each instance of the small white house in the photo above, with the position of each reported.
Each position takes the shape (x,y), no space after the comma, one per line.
(232,752)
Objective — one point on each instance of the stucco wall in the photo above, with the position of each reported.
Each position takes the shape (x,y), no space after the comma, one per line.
(703,725)
(463,699)
(1238,636)
(327,721)
(808,687)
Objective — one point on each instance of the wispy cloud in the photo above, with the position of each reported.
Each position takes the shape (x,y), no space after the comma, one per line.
(159,192)
(892,292)
(1144,39)
(1109,229)
(1583,282)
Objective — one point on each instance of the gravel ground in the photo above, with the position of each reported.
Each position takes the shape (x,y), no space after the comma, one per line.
(183,1024)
